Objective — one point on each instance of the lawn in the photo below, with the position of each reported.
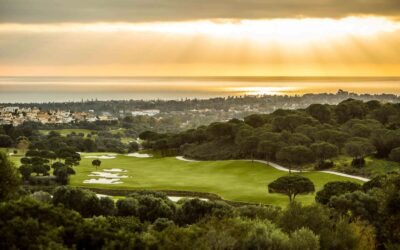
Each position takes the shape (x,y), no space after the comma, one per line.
(15,158)
(233,180)
(372,166)
(65,132)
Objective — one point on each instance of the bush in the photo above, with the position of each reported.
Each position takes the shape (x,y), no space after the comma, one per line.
(259,212)
(107,206)
(150,208)
(83,201)
(162,223)
(41,196)
(147,206)
(304,239)
(324,165)
(334,188)
(127,207)
(358,162)
(194,210)
(395,154)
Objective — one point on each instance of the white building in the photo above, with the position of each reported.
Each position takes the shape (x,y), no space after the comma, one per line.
(149,112)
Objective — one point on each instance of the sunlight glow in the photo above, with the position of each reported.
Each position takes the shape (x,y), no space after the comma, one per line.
(262,90)
(281,30)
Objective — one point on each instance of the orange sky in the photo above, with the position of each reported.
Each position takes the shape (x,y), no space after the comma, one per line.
(292,42)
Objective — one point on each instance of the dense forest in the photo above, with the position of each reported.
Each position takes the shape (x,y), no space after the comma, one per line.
(294,138)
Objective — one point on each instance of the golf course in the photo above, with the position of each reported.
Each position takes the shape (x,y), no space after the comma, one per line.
(234,180)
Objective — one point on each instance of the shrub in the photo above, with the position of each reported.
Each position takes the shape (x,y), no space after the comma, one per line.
(331,189)
(162,223)
(395,154)
(127,207)
(194,210)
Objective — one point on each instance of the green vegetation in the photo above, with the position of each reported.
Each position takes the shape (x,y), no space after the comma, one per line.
(65,132)
(291,185)
(233,180)
(372,166)
(304,138)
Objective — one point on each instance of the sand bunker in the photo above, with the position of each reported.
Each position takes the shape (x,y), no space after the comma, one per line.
(114,170)
(181,158)
(107,175)
(139,155)
(105,157)
(102,195)
(177,198)
(102,181)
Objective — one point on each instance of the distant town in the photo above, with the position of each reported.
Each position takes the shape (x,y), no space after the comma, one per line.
(14,115)
(173,114)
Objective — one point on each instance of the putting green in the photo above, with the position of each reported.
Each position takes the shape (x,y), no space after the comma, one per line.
(232,180)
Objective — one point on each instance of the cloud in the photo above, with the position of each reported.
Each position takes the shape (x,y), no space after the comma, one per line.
(54,11)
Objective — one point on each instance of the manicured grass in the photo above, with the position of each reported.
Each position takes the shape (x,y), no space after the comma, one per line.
(15,158)
(372,166)
(65,132)
(233,180)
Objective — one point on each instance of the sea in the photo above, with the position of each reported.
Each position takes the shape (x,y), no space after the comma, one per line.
(14,89)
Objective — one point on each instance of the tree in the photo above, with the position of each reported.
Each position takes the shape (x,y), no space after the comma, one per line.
(358,148)
(161,145)
(249,146)
(26,171)
(360,204)
(291,185)
(350,109)
(295,156)
(304,239)
(96,163)
(127,207)
(133,147)
(269,148)
(107,206)
(23,145)
(57,165)
(335,188)
(62,174)
(254,120)
(5,141)
(395,154)
(332,136)
(149,135)
(9,179)
(221,130)
(291,122)
(320,112)
(384,141)
(83,201)
(324,151)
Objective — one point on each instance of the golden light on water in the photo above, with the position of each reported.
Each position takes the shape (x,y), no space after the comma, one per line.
(262,90)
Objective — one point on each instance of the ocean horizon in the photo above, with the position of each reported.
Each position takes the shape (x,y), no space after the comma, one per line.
(17,89)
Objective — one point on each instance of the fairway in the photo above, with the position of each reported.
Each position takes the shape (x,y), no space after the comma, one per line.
(232,180)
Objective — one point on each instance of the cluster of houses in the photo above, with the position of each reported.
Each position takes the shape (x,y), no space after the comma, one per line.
(15,116)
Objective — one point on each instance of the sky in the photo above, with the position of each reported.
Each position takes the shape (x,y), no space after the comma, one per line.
(199,38)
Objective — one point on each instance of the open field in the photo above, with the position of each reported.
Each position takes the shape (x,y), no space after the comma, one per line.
(233,180)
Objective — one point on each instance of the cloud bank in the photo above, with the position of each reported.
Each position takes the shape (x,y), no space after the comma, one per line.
(55,11)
